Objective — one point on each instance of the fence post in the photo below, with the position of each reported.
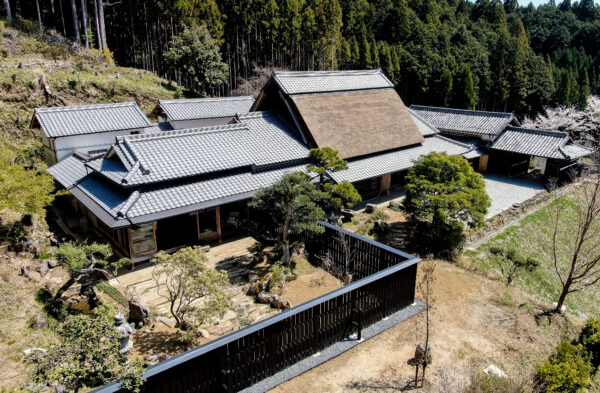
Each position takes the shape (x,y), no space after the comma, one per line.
(356,315)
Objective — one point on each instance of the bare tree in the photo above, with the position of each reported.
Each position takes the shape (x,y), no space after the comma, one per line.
(580,248)
(8,13)
(425,288)
(85,26)
(75,22)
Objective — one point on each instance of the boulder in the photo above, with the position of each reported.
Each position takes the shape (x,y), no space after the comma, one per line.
(203,333)
(139,312)
(52,263)
(245,308)
(273,300)
(494,371)
(40,322)
(154,358)
(370,208)
(43,268)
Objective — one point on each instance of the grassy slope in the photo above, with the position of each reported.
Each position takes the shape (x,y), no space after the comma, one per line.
(531,237)
(71,75)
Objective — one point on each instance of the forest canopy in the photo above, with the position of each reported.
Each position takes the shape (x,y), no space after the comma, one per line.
(487,54)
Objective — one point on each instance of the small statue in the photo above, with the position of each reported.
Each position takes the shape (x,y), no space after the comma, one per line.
(126,330)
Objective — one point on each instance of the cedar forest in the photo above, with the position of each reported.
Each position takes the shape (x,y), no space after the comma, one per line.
(486,55)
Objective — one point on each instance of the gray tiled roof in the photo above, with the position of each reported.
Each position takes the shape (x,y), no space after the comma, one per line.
(90,119)
(538,143)
(398,160)
(424,127)
(574,151)
(68,171)
(158,127)
(205,108)
(259,139)
(117,208)
(300,82)
(464,121)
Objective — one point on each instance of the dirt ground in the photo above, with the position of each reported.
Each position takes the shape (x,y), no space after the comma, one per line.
(310,286)
(475,322)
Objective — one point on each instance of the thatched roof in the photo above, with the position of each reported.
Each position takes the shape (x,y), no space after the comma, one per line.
(358,123)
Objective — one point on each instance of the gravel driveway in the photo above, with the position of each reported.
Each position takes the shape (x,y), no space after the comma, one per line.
(505,192)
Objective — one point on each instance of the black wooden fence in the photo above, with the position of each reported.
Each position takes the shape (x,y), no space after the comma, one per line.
(384,283)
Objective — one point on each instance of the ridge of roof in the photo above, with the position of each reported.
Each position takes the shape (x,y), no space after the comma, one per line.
(205,99)
(334,72)
(66,108)
(462,111)
(537,131)
(254,115)
(182,132)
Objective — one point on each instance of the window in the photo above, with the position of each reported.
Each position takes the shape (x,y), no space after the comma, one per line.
(143,240)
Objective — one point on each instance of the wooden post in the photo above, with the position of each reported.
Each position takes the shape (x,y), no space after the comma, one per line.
(218,214)
(198,226)
(483,163)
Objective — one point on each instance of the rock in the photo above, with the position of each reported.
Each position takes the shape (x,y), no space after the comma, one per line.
(381,227)
(154,358)
(52,263)
(31,351)
(139,312)
(245,308)
(24,271)
(370,208)
(169,322)
(494,371)
(40,322)
(42,268)
(203,333)
(562,309)
(274,300)
(298,249)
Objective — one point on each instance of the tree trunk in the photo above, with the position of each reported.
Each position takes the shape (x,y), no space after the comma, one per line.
(286,240)
(75,22)
(8,13)
(563,296)
(62,18)
(85,26)
(98,32)
(63,289)
(102,24)
(37,6)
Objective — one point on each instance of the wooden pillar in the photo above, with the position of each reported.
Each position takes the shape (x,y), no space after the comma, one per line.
(483,163)
(198,226)
(386,182)
(218,214)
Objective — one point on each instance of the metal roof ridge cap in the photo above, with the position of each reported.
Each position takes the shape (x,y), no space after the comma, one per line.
(181,132)
(127,205)
(84,107)
(204,99)
(465,111)
(538,131)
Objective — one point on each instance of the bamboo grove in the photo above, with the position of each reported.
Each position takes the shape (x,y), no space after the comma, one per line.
(487,55)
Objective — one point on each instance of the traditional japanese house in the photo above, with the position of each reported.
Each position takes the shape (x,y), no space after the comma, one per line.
(200,112)
(168,189)
(86,129)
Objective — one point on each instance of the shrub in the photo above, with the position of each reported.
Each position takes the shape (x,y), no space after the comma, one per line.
(567,371)
(590,339)
(483,383)
(279,274)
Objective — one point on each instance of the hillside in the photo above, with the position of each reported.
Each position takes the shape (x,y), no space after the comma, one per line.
(73,76)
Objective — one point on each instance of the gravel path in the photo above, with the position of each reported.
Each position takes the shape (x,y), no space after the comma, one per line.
(505,192)
(335,350)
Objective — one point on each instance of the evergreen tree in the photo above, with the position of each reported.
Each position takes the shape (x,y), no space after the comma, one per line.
(463,93)
(584,91)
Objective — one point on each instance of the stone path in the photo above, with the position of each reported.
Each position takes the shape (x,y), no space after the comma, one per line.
(232,257)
